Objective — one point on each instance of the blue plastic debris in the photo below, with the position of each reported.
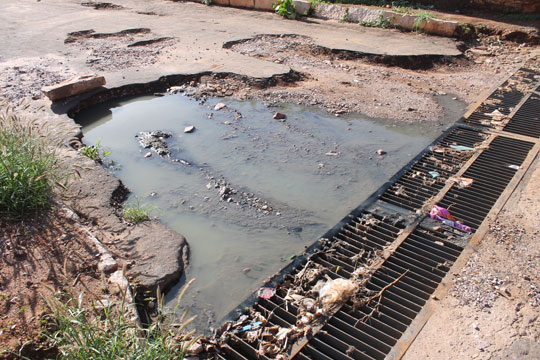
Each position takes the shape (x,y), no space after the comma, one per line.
(462,148)
(434,174)
(253,326)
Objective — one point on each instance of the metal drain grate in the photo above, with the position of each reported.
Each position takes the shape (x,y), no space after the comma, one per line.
(505,98)
(362,238)
(368,332)
(491,172)
(526,121)
(428,175)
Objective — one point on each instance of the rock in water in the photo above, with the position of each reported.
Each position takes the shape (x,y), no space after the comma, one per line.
(381,152)
(154,140)
(279,116)
(219,106)
(189,129)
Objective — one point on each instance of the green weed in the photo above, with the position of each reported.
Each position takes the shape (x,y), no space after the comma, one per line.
(380,22)
(30,167)
(345,16)
(422,18)
(285,8)
(136,213)
(95,152)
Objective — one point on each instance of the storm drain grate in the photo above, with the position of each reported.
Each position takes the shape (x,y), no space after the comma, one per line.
(504,99)
(428,175)
(370,331)
(358,241)
(526,121)
(491,173)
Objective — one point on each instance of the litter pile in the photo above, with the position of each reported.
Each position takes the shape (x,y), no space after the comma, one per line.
(289,313)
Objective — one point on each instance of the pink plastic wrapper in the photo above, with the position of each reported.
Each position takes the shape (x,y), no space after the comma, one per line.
(266,293)
(442,215)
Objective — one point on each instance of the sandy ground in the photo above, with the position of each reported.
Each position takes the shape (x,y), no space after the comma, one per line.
(493,306)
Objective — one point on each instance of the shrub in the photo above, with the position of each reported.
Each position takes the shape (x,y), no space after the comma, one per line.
(30,167)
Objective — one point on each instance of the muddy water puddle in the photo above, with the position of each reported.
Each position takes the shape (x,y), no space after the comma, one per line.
(247,191)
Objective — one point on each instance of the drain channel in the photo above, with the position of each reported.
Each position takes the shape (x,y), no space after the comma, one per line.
(402,255)
(526,120)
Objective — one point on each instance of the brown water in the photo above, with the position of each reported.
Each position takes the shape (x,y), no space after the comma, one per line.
(311,169)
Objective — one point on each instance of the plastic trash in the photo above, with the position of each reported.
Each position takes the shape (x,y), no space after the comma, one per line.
(442,215)
(462,148)
(462,182)
(253,326)
(515,167)
(434,174)
(266,293)
(336,290)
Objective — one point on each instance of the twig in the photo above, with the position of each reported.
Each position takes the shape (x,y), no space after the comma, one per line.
(379,295)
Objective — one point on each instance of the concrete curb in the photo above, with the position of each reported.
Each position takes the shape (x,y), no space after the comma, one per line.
(353,14)
(358,14)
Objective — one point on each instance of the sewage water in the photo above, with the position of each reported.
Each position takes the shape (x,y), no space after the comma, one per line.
(299,176)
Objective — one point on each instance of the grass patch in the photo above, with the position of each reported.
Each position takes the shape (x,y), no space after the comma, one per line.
(109,333)
(30,167)
(136,213)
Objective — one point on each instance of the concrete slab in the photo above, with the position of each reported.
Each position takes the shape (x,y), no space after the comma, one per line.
(33,30)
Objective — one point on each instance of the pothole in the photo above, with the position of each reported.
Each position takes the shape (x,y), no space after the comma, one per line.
(118,50)
(102,5)
(247,191)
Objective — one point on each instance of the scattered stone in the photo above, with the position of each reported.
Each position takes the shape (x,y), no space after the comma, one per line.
(117,278)
(148,154)
(332,153)
(74,86)
(246,270)
(107,263)
(279,116)
(189,129)
(411,109)
(381,152)
(219,106)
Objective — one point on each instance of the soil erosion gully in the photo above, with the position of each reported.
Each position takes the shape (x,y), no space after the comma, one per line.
(367,287)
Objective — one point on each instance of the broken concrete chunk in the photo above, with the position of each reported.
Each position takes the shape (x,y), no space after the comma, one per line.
(302,7)
(160,254)
(74,86)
